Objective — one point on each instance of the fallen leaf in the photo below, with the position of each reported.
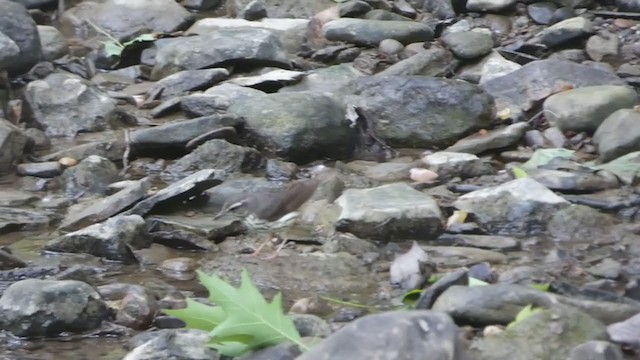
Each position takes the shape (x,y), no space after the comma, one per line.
(458,217)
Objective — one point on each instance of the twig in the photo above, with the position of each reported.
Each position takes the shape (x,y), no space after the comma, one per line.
(98,29)
(542,112)
(127,151)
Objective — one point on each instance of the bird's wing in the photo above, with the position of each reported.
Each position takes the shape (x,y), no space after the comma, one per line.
(293,196)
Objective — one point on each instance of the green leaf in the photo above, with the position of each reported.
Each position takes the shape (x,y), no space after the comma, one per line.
(198,315)
(519,173)
(476,282)
(541,287)
(250,319)
(544,156)
(434,278)
(112,49)
(526,312)
(411,297)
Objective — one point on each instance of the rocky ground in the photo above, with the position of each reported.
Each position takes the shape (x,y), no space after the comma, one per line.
(502,137)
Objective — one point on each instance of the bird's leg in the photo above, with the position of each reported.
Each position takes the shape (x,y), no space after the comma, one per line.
(283,243)
(257,251)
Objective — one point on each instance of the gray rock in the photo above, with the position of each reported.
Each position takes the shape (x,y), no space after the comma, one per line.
(431,62)
(185,81)
(113,239)
(171,344)
(298,9)
(480,241)
(100,210)
(125,21)
(408,334)
(12,219)
(183,189)
(9,261)
(200,5)
(596,350)
(495,139)
(353,8)
(39,138)
(90,176)
(556,331)
(217,154)
(372,32)
(270,80)
(12,198)
(519,206)
(429,296)
(404,119)
(579,223)
(573,181)
(298,126)
(198,105)
(391,212)
(564,31)
(603,47)
(626,332)
(12,144)
(239,45)
(54,45)
(469,44)
(584,109)
(44,169)
(331,79)
(618,135)
(385,15)
(607,268)
(291,32)
(489,5)
(628,5)
(109,149)
(390,47)
(494,66)
(191,233)
(16,24)
(255,10)
(64,105)
(9,51)
(33,308)
(521,89)
(174,136)
(450,164)
(441,9)
(138,308)
(542,12)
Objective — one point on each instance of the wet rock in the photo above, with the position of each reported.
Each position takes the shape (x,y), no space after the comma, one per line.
(386,15)
(431,62)
(449,165)
(12,219)
(172,344)
(604,46)
(469,44)
(113,239)
(185,81)
(566,30)
(174,136)
(16,198)
(618,135)
(403,8)
(607,268)
(516,207)
(573,182)
(33,308)
(54,45)
(626,332)
(596,350)
(198,105)
(411,333)
(100,210)
(200,5)
(429,296)
(389,171)
(50,100)
(258,46)
(556,331)
(404,120)
(390,47)
(330,79)
(191,233)
(299,9)
(217,154)
(298,126)
(9,261)
(311,325)
(584,109)
(520,90)
(628,5)
(353,8)
(441,9)
(494,139)
(17,25)
(44,170)
(390,212)
(183,189)
(371,32)
(128,20)
(90,177)
(291,32)
(255,10)
(12,145)
(137,309)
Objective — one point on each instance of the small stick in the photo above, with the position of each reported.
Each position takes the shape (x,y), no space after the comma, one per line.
(127,151)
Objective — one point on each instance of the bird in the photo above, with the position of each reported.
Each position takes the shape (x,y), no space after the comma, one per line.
(273,210)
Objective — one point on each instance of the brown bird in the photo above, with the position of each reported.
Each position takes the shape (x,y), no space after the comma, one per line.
(273,210)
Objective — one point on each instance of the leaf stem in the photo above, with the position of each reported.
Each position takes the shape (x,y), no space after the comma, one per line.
(98,29)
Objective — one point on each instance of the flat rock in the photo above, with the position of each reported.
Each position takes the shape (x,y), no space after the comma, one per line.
(565,31)
(371,32)
(494,139)
(390,212)
(449,165)
(15,219)
(47,169)
(468,44)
